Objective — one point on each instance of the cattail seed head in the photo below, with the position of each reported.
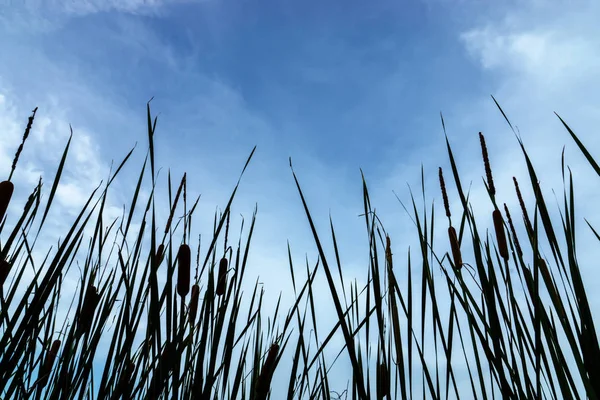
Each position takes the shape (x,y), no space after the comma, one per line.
(90,302)
(266,374)
(4,271)
(500,236)
(183,273)
(6,190)
(160,253)
(222,278)
(194,303)
(48,363)
(523,208)
(486,163)
(444,194)
(513,232)
(454,245)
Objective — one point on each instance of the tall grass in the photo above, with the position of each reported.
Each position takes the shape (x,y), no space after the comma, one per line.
(141,325)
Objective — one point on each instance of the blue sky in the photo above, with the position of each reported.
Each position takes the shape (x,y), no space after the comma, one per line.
(337,85)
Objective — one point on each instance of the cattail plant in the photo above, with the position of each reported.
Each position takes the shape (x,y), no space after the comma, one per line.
(183,272)
(263,383)
(46,367)
(528,225)
(500,235)
(513,232)
(6,191)
(88,309)
(193,308)
(486,163)
(454,245)
(222,277)
(160,253)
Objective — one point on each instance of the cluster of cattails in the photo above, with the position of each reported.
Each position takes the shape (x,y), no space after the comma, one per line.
(263,383)
(184,257)
(46,367)
(90,302)
(496,214)
(222,277)
(452,236)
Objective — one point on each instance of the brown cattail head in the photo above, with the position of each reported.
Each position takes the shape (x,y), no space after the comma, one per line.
(523,208)
(183,273)
(266,374)
(500,237)
(48,363)
(222,278)
(4,271)
(90,302)
(444,194)
(160,253)
(456,255)
(194,303)
(486,163)
(6,190)
(513,232)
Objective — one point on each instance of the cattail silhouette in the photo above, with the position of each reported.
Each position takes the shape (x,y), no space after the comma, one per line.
(160,253)
(500,236)
(486,163)
(513,232)
(222,277)
(444,194)
(454,245)
(183,273)
(88,309)
(6,190)
(193,309)
(263,383)
(523,208)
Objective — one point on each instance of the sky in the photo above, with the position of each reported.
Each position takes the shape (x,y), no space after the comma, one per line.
(338,86)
